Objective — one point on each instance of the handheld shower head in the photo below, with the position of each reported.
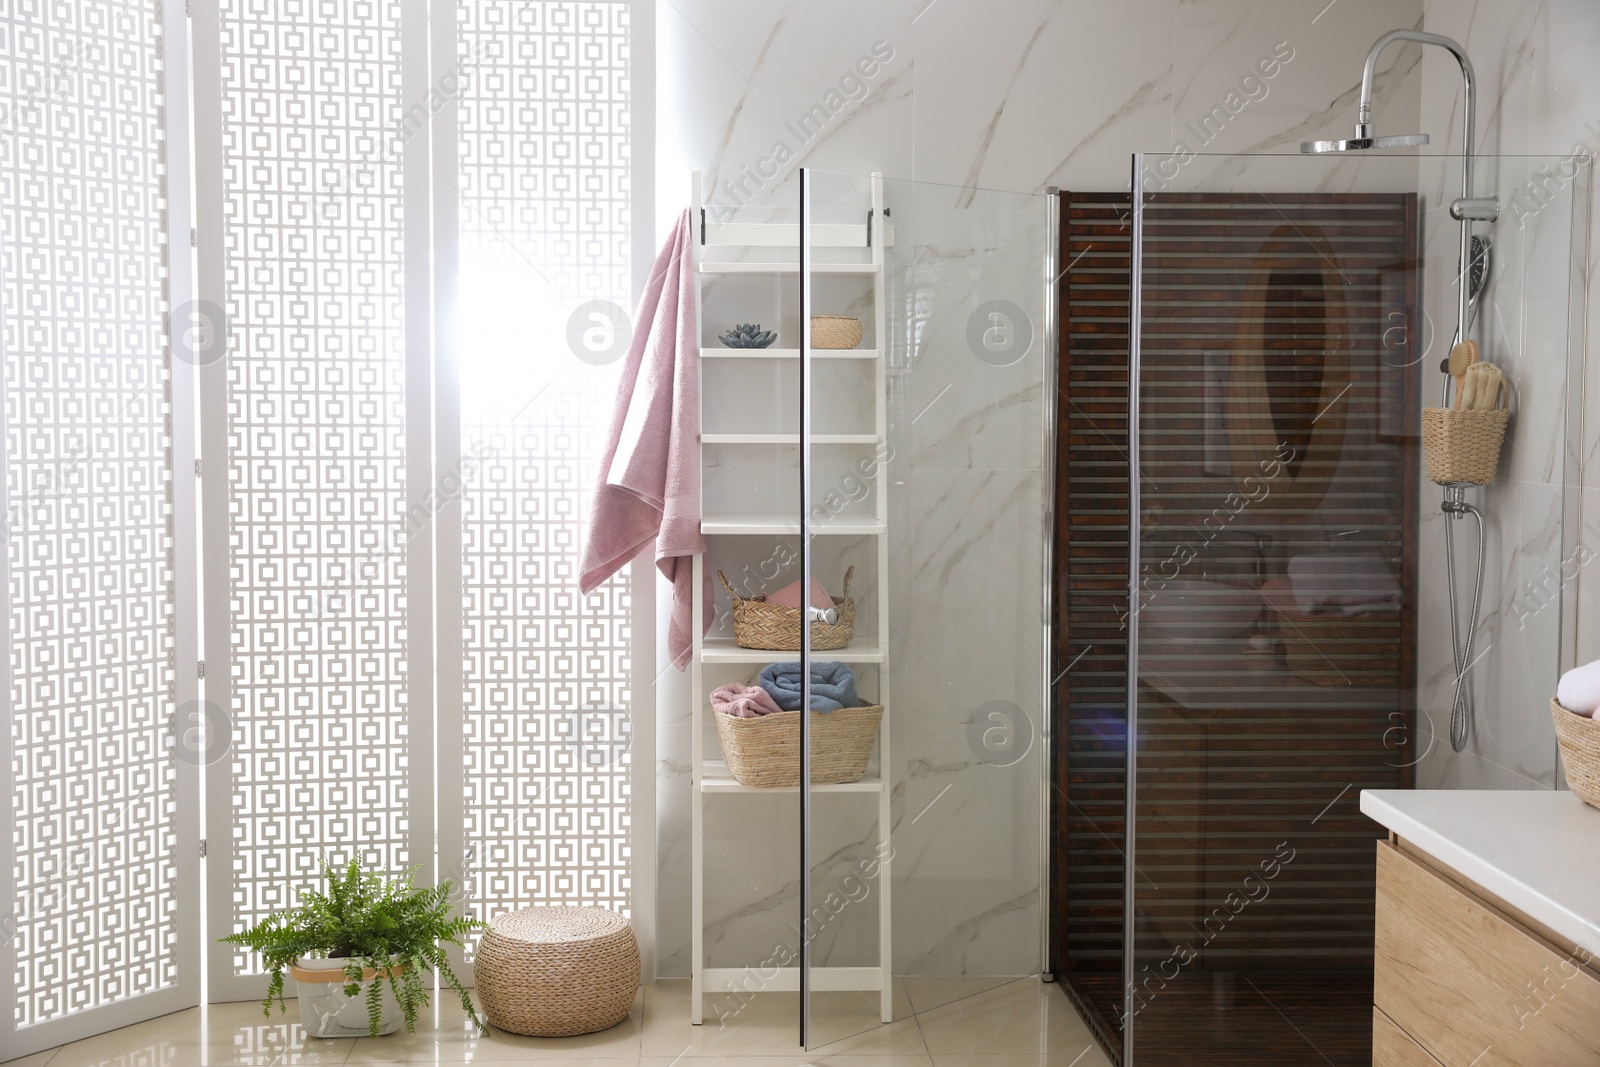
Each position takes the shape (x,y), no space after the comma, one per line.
(1363,141)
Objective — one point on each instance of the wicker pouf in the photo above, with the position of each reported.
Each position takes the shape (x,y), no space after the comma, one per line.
(557,971)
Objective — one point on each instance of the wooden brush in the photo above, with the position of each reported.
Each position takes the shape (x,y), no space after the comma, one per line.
(1462,356)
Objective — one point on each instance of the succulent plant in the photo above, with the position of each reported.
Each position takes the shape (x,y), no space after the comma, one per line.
(748,335)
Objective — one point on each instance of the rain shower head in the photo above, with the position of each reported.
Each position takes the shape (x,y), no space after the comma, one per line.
(1361,143)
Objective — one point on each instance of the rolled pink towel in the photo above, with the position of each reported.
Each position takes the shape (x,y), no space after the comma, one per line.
(743,701)
(789,596)
(1579,689)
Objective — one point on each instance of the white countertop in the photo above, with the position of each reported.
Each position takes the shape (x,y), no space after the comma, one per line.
(1537,850)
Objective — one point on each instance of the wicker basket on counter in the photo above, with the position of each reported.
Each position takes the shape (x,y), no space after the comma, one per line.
(764,752)
(775,628)
(1578,738)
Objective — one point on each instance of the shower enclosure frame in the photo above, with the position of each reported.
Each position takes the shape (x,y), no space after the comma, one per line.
(1568,442)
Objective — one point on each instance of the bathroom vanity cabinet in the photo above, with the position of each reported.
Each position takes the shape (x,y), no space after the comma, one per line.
(1486,929)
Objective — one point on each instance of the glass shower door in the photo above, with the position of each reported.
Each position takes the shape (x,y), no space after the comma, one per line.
(926,464)
(1291,614)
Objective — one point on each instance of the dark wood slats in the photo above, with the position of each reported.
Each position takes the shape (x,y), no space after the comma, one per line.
(1237,761)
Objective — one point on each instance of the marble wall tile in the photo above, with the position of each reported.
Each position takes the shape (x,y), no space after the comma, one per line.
(1537,100)
(1019,97)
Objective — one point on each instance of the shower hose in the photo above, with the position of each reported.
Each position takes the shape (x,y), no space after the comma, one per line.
(1454,506)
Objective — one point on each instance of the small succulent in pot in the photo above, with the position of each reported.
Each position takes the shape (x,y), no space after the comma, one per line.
(382,936)
(748,335)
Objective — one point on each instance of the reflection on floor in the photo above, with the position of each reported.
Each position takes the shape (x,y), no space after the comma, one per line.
(1021,1023)
(1211,1019)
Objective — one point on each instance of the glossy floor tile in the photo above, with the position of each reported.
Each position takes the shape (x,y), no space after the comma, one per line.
(941,1022)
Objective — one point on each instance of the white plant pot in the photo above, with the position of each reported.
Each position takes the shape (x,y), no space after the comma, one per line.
(327,1011)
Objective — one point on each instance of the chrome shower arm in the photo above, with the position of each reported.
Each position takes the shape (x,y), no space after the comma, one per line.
(1464,209)
(1468,79)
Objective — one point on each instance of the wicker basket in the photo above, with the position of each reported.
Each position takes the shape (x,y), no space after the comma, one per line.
(557,970)
(835,331)
(764,752)
(774,628)
(1463,447)
(1578,737)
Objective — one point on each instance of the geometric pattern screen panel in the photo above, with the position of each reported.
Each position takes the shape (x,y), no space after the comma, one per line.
(312,129)
(542,324)
(87,528)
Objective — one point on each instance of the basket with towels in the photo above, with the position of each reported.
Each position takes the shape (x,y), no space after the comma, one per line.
(1576,701)
(1462,444)
(759,726)
(772,622)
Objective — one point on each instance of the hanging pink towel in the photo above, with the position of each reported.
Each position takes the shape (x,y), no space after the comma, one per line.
(650,478)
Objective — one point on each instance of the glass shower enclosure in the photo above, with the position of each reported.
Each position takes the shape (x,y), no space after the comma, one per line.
(890,446)
(1298,589)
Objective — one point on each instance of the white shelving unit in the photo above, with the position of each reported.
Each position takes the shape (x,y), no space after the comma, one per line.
(710,777)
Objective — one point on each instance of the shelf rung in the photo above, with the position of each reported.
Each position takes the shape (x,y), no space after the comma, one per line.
(787,980)
(787,438)
(723,650)
(709,784)
(746,267)
(787,234)
(789,526)
(708,352)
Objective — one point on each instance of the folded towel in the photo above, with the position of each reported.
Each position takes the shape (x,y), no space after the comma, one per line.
(1354,584)
(1579,689)
(789,596)
(833,686)
(743,701)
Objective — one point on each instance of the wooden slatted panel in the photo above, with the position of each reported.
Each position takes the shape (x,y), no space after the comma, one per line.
(1236,755)
(1091,598)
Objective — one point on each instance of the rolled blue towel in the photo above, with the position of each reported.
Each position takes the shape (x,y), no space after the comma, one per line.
(833,685)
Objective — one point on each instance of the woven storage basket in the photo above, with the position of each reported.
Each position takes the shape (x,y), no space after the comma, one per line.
(1463,446)
(557,970)
(764,752)
(774,628)
(1578,737)
(835,331)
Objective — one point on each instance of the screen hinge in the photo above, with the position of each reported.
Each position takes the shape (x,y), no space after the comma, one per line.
(202,846)
(201,665)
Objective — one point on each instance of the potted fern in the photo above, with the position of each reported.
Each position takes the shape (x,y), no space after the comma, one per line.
(363,930)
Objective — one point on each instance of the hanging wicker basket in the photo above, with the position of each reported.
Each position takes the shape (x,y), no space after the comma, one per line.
(764,752)
(1578,738)
(835,331)
(775,628)
(1463,447)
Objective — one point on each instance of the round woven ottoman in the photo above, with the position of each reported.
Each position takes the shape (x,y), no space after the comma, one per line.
(557,971)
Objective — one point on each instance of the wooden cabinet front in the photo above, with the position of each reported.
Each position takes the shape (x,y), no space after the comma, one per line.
(1469,984)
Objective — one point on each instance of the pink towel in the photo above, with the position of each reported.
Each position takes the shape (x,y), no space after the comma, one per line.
(744,701)
(650,478)
(789,596)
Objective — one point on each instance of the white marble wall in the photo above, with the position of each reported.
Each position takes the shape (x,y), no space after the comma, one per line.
(1033,93)
(1539,99)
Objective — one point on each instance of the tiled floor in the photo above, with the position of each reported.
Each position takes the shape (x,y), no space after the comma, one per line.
(1023,1023)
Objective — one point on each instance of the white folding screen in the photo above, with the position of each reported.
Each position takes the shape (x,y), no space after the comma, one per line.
(415,259)
(397,223)
(312,207)
(98,855)
(534,206)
